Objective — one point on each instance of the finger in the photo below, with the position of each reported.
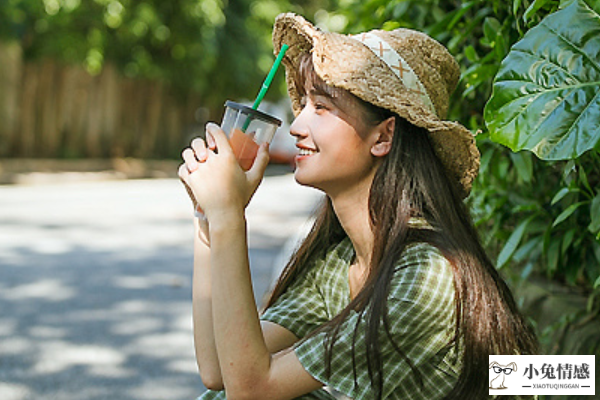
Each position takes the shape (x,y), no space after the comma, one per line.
(190,159)
(199,147)
(209,139)
(219,137)
(183,172)
(257,171)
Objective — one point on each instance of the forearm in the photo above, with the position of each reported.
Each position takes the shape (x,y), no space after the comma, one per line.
(243,354)
(204,340)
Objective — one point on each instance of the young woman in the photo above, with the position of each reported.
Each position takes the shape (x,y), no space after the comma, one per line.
(391,295)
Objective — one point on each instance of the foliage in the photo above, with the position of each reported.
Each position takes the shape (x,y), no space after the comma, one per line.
(546,96)
(538,217)
(218,48)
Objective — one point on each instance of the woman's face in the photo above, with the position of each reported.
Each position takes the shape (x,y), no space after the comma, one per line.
(334,146)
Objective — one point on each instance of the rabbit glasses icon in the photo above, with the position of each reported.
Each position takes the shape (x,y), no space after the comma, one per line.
(499,374)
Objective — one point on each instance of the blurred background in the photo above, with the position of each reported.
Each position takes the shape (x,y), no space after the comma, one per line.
(99,91)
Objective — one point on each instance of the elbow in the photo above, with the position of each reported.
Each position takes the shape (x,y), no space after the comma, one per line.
(212,380)
(213,385)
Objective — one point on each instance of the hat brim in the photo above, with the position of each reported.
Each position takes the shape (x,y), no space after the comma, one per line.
(347,64)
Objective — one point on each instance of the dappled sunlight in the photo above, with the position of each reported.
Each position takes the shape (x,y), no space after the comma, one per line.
(57,356)
(162,345)
(149,281)
(95,286)
(159,388)
(46,289)
(141,326)
(96,216)
(75,321)
(11,391)
(14,345)
(48,332)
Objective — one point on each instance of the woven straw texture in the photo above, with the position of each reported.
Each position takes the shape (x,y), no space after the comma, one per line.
(344,62)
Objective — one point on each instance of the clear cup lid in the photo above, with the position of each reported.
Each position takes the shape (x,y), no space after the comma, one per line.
(252,113)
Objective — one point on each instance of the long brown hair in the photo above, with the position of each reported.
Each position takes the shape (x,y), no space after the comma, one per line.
(411,182)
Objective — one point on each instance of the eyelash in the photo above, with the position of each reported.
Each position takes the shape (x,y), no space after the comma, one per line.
(316,105)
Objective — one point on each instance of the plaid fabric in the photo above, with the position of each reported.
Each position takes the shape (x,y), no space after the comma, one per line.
(421,315)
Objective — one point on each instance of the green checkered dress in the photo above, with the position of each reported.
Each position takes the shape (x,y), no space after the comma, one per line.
(421,309)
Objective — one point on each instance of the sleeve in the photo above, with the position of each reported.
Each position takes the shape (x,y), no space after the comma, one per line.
(300,309)
(213,395)
(421,316)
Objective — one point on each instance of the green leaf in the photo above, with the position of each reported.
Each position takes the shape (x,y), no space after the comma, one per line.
(553,255)
(546,95)
(529,250)
(567,240)
(491,28)
(527,271)
(567,213)
(584,179)
(471,54)
(595,214)
(516,5)
(485,160)
(523,164)
(512,243)
(559,195)
(533,8)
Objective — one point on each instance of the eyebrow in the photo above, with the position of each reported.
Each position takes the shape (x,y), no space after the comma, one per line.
(320,94)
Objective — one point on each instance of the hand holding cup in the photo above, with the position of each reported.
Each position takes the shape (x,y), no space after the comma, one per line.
(213,177)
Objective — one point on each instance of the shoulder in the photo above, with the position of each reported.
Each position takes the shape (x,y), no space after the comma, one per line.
(332,263)
(424,278)
(423,256)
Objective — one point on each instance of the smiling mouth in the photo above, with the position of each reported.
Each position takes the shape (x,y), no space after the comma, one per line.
(306,152)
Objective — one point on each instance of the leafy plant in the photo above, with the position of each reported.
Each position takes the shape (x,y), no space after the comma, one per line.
(547,99)
(547,92)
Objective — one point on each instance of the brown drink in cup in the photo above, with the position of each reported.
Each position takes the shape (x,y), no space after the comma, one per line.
(247,129)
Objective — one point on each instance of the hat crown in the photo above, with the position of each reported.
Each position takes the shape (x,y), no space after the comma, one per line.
(431,62)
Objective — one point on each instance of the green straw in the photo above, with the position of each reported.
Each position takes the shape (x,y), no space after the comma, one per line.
(266,83)
(269,78)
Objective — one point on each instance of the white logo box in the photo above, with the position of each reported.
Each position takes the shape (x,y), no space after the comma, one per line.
(542,374)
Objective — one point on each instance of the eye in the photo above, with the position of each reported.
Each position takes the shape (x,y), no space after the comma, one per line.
(321,106)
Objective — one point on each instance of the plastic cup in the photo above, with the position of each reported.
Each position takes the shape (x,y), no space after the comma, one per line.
(247,129)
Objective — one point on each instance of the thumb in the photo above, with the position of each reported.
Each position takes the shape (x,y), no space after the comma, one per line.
(257,171)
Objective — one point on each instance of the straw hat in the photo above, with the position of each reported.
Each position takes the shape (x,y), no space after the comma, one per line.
(404,71)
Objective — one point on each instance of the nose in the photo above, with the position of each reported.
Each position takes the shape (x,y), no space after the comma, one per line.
(299,127)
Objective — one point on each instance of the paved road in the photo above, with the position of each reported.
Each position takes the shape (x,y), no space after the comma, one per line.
(95,285)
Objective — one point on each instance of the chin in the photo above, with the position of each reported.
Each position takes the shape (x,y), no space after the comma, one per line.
(305,180)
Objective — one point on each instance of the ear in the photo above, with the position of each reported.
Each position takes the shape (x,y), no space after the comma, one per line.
(384,133)
(493,364)
(513,366)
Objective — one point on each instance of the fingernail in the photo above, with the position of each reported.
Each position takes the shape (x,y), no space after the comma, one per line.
(211,141)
